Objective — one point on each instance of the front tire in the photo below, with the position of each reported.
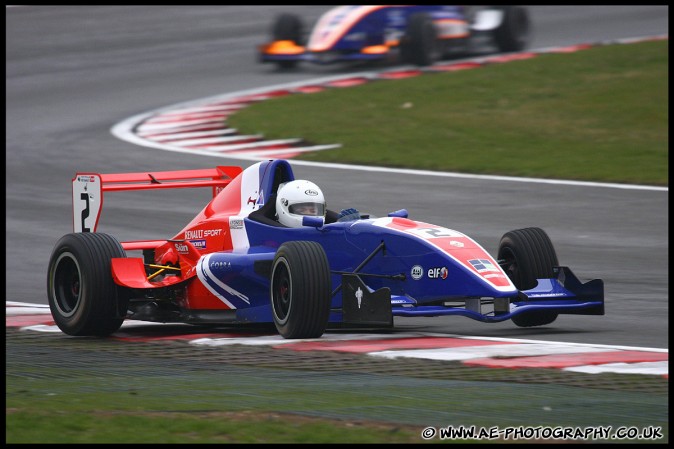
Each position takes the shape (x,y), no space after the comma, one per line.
(288,27)
(527,255)
(300,290)
(83,298)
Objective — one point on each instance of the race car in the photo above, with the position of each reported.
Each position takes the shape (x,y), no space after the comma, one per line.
(237,262)
(415,34)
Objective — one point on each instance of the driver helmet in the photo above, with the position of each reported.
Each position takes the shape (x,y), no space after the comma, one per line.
(296,199)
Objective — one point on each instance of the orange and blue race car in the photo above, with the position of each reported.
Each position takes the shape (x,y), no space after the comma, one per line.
(414,34)
(238,262)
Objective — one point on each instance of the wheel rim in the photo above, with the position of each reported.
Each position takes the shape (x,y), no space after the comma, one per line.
(281,291)
(66,284)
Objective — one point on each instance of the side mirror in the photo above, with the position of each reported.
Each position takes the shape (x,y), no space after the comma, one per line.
(402,213)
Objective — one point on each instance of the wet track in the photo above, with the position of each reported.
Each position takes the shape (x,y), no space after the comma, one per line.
(74,72)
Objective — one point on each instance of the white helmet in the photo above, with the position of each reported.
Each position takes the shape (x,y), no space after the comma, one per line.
(296,199)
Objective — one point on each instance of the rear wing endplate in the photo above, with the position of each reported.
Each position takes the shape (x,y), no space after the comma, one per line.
(88,188)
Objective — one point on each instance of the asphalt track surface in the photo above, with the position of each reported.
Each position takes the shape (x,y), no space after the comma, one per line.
(74,72)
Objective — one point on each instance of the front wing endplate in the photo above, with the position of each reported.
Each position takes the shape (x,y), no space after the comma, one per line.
(361,305)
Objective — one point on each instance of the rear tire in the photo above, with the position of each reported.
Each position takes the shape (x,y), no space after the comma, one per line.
(83,297)
(300,290)
(514,33)
(420,44)
(527,255)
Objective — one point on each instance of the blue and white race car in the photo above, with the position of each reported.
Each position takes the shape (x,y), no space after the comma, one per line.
(240,260)
(416,34)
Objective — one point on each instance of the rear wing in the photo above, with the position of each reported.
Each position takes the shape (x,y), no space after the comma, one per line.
(88,188)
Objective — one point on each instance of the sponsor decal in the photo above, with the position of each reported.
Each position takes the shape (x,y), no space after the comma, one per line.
(354,37)
(417,272)
(201,233)
(395,18)
(199,244)
(86,179)
(256,199)
(311,192)
(488,276)
(438,273)
(456,244)
(482,265)
(196,234)
(235,223)
(221,265)
(182,248)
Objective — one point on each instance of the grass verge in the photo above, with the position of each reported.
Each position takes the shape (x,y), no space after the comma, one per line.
(87,390)
(600,114)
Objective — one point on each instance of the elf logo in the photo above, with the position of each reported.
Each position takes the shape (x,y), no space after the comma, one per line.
(438,273)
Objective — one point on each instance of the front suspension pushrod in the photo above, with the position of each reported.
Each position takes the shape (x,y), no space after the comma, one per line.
(381,247)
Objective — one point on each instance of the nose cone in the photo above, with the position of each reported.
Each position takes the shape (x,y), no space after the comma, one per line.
(334,24)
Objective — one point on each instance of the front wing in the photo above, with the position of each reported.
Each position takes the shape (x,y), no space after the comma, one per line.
(564,294)
(281,51)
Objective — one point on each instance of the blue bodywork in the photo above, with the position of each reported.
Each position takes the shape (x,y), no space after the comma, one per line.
(383,259)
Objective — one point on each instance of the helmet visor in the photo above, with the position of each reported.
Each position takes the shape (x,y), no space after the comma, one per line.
(313,209)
